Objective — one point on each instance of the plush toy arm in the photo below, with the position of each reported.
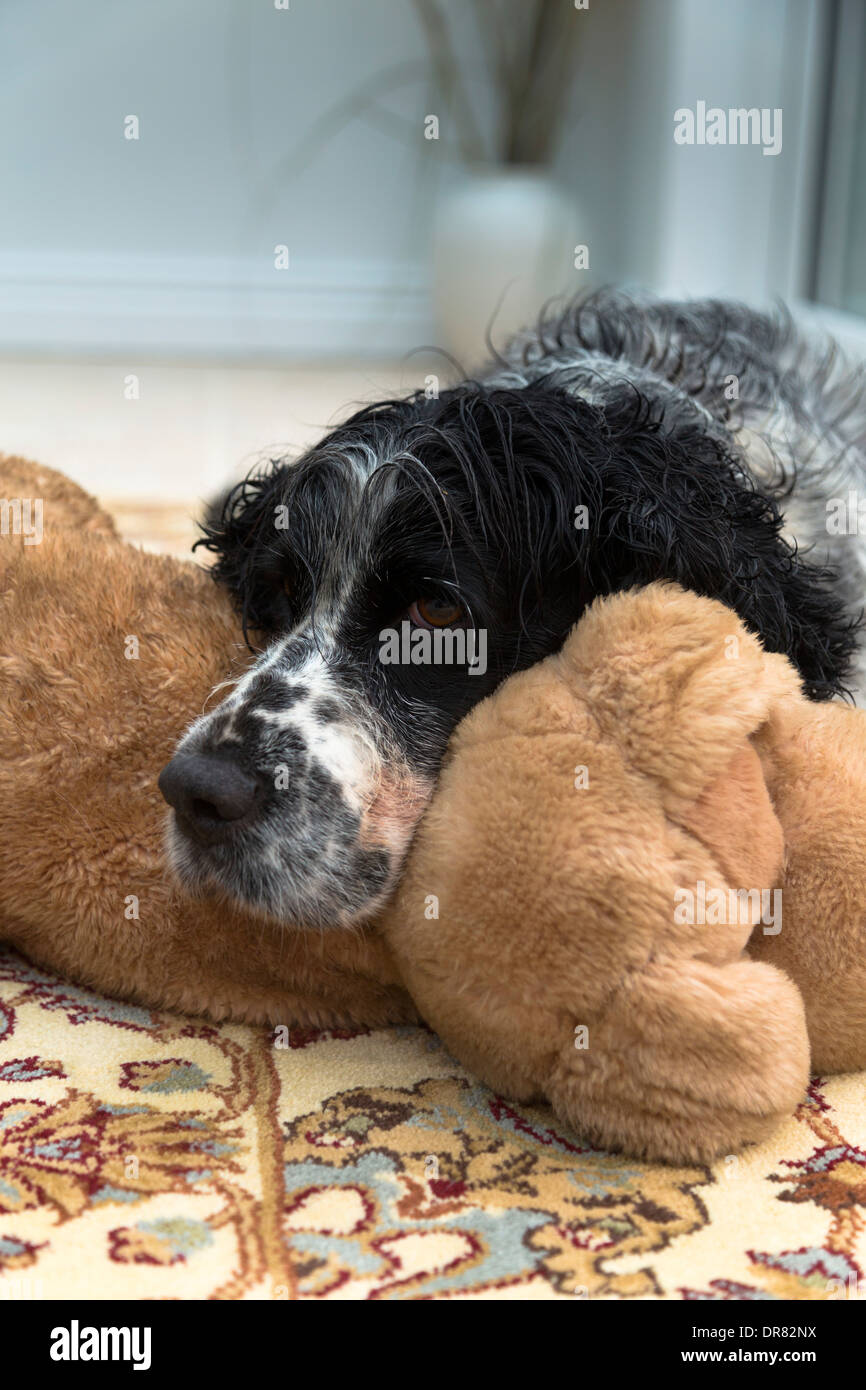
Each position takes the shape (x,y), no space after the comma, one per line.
(579,802)
(693,1061)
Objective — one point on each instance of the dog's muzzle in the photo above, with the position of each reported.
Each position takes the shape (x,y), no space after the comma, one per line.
(283,800)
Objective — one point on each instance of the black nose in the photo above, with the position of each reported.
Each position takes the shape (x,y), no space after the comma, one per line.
(210,793)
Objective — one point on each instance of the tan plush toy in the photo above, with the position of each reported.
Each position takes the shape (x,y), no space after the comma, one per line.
(629,844)
(565,919)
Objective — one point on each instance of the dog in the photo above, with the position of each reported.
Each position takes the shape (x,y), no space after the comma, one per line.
(621,441)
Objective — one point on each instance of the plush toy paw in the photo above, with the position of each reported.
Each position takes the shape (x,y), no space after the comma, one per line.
(692,1061)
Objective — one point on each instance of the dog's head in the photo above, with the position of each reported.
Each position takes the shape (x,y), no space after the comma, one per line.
(403,568)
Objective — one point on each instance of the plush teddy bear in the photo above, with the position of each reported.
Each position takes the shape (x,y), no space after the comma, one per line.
(106,653)
(640,890)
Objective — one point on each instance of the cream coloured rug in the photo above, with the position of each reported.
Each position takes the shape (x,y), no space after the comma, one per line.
(148,1156)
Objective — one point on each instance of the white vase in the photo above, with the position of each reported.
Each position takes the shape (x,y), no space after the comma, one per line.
(503,243)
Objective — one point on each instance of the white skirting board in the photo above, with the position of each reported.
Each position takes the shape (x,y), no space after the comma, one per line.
(67,304)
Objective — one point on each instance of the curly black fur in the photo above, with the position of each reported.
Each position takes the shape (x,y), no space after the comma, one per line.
(500,472)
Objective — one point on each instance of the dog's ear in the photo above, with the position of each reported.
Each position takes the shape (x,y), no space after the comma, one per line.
(679,504)
(588,494)
(239,528)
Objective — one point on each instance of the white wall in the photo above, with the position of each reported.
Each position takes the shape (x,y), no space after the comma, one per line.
(165,245)
(150,230)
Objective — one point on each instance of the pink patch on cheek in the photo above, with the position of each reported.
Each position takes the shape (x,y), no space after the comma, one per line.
(395,810)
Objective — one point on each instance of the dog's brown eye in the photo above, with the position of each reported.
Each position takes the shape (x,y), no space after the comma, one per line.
(437,612)
(286,587)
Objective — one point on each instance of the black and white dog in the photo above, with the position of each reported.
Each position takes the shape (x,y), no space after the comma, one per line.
(615,444)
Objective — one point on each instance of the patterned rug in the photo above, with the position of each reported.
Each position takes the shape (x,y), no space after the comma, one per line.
(147,1156)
